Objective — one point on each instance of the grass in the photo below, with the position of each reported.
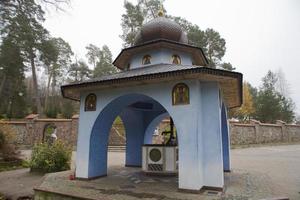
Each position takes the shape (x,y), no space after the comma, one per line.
(12,165)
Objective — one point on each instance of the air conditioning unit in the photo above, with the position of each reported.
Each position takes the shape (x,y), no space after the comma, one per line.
(160,159)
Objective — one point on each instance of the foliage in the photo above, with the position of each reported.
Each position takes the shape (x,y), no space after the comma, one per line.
(50,158)
(79,71)
(68,108)
(104,63)
(213,45)
(227,66)
(11,79)
(22,20)
(247,110)
(93,54)
(270,104)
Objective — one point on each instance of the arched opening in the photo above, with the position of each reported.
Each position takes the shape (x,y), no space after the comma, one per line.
(137,112)
(49,132)
(161,131)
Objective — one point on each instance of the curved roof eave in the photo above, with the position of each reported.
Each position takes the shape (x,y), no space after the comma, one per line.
(231,83)
(123,57)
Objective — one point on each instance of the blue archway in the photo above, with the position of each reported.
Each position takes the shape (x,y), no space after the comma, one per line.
(137,111)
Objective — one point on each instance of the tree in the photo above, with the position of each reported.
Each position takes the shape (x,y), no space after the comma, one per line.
(213,45)
(131,22)
(12,88)
(247,109)
(79,71)
(104,65)
(270,104)
(93,54)
(56,56)
(22,20)
(227,66)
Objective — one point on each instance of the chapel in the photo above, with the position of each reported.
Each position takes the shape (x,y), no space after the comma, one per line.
(161,76)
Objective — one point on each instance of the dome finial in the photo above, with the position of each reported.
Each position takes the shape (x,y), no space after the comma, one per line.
(161,10)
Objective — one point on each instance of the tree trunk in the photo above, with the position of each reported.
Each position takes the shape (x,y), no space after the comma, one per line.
(35,84)
(2,84)
(47,91)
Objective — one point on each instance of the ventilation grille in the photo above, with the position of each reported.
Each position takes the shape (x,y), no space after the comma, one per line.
(155,167)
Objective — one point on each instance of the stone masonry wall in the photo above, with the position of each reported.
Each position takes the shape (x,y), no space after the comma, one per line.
(31,130)
(260,133)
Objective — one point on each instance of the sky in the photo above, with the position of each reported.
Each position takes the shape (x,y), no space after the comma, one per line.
(260,35)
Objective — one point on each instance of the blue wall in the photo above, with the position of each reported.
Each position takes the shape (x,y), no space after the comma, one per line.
(225,140)
(159,56)
(198,126)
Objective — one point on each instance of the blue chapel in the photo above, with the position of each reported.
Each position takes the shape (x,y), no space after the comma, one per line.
(161,76)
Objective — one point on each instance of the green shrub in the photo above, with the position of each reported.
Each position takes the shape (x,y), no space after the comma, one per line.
(50,157)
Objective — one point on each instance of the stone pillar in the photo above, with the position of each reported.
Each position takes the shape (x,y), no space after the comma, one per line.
(285,137)
(257,130)
(74,130)
(31,138)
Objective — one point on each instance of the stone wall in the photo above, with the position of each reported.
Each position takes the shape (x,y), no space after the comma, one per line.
(31,130)
(260,133)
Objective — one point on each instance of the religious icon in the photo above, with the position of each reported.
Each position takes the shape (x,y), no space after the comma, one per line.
(90,102)
(176,60)
(146,60)
(180,94)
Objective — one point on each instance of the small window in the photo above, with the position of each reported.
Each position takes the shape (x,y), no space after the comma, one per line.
(180,94)
(146,60)
(90,102)
(176,60)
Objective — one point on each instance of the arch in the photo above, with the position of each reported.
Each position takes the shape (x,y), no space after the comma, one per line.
(176,60)
(180,94)
(90,102)
(146,60)
(131,108)
(47,131)
(151,127)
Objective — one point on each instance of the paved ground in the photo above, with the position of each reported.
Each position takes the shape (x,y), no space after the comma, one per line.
(257,173)
(280,165)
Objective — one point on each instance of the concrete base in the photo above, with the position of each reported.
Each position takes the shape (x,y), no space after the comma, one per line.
(131,183)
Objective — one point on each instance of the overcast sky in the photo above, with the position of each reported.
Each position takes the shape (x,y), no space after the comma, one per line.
(260,35)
